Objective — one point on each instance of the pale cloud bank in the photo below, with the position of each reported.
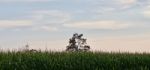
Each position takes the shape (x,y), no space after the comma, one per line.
(106,24)
(11,1)
(39,20)
(50,16)
(45,28)
(15,23)
(126,1)
(146,11)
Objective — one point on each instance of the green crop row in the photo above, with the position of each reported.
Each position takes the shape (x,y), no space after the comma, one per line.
(73,61)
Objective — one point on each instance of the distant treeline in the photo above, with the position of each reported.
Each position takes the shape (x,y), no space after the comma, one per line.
(73,61)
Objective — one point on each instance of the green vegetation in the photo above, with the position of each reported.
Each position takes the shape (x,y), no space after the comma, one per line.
(73,61)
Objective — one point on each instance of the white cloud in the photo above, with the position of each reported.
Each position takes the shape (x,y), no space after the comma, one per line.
(6,1)
(48,20)
(127,1)
(103,10)
(41,20)
(50,16)
(108,6)
(113,25)
(146,11)
(45,28)
(14,23)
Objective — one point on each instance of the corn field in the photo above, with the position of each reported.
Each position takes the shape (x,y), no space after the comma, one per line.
(73,61)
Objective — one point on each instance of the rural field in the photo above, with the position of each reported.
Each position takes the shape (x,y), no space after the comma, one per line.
(73,61)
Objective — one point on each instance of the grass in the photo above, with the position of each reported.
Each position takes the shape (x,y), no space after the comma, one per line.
(73,61)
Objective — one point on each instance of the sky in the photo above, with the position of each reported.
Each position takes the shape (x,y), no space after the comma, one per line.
(108,25)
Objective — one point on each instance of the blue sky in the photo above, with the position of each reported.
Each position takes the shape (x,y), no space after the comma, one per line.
(109,25)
